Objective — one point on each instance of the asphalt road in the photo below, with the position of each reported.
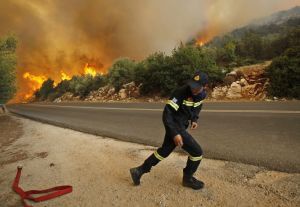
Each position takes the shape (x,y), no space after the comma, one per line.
(260,133)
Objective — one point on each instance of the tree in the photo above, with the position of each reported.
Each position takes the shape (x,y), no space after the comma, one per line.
(81,85)
(121,72)
(62,87)
(284,74)
(7,68)
(99,81)
(156,74)
(225,49)
(250,46)
(46,88)
(161,74)
(287,40)
(187,59)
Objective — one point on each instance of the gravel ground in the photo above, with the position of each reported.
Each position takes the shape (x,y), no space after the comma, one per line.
(98,169)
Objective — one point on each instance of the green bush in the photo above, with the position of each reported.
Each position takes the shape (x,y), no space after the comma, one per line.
(81,85)
(62,87)
(121,72)
(250,46)
(188,59)
(284,74)
(46,89)
(59,90)
(159,73)
(7,68)
(99,81)
(155,73)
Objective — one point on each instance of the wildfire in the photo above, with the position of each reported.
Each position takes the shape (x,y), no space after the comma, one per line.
(202,40)
(35,83)
(27,96)
(64,76)
(199,43)
(205,36)
(90,70)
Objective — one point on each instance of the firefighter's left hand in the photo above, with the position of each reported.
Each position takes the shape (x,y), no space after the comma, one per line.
(194,125)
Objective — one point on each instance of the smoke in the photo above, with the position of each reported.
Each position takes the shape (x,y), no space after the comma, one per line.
(225,15)
(64,35)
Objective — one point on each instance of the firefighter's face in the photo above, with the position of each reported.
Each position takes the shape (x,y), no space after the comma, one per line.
(196,91)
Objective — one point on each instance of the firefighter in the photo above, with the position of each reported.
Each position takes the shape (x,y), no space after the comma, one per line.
(182,108)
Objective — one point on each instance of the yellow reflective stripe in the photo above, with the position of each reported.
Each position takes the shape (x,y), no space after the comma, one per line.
(174,105)
(188,103)
(195,158)
(158,156)
(198,103)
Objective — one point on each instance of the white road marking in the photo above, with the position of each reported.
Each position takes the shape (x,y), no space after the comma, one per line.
(142,109)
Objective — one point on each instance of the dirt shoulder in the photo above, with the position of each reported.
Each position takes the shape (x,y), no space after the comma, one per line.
(97,168)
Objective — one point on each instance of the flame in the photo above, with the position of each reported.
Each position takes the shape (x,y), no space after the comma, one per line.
(206,35)
(34,78)
(35,83)
(90,70)
(27,96)
(199,43)
(202,40)
(64,76)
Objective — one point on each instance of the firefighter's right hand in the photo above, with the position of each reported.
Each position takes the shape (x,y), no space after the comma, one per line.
(178,140)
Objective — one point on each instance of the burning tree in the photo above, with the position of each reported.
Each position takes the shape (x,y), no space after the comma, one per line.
(45,90)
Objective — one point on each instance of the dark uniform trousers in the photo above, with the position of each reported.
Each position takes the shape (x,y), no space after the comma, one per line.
(190,145)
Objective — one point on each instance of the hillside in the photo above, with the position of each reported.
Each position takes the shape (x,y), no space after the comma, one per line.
(275,39)
(278,17)
(273,25)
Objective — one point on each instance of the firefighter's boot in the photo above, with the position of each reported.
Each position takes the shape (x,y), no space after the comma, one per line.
(192,182)
(136,174)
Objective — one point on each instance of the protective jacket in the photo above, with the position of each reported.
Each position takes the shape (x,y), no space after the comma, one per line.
(181,108)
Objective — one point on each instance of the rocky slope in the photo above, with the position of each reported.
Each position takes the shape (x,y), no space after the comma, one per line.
(243,83)
(247,82)
(128,93)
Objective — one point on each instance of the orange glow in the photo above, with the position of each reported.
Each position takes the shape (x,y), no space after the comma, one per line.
(207,35)
(38,80)
(89,70)
(27,96)
(199,43)
(35,83)
(201,40)
(64,76)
